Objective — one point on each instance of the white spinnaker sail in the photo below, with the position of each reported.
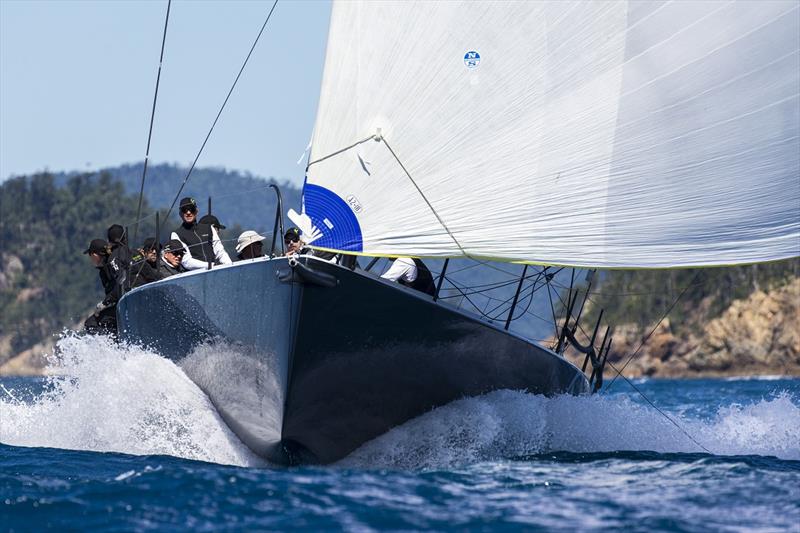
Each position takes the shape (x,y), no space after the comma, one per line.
(607,134)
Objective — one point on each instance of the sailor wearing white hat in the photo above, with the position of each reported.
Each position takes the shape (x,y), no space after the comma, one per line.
(249,245)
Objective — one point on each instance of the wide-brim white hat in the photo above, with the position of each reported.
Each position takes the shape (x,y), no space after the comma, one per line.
(246,239)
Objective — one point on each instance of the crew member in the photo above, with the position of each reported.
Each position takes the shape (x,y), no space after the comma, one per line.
(295,245)
(118,244)
(249,245)
(411,272)
(211,220)
(293,242)
(112,276)
(201,241)
(171,258)
(144,264)
(118,241)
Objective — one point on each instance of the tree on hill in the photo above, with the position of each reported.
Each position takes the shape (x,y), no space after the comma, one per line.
(44,230)
(237,198)
(643,296)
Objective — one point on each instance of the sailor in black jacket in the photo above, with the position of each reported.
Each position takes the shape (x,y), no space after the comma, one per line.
(113,278)
(145,262)
(201,241)
(118,243)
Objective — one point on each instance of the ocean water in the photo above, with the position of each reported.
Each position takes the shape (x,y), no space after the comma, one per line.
(122,440)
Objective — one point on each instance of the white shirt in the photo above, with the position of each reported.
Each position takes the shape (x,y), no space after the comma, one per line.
(220,255)
(402,268)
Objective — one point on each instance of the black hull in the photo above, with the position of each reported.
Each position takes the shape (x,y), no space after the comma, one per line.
(303,371)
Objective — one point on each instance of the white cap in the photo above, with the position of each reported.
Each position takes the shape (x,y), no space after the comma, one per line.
(246,239)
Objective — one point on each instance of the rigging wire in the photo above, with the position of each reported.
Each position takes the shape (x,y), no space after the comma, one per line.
(245,191)
(463,291)
(152,119)
(524,311)
(553,309)
(337,152)
(485,287)
(641,345)
(419,190)
(665,415)
(638,293)
(467,267)
(219,113)
(633,386)
(533,290)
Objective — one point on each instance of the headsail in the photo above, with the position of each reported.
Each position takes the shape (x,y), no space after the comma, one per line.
(607,134)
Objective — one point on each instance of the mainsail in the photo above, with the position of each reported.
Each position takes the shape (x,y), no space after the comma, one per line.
(591,134)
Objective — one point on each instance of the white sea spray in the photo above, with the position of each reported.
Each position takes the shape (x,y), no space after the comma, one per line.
(107,397)
(512,424)
(114,398)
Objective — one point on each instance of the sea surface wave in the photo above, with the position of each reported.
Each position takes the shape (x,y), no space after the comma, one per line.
(119,438)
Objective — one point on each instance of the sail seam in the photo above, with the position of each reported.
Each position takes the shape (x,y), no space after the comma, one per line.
(450,233)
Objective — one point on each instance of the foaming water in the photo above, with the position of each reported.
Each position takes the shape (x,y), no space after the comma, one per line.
(506,460)
(110,398)
(507,424)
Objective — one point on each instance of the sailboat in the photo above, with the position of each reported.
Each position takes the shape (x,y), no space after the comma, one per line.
(581,134)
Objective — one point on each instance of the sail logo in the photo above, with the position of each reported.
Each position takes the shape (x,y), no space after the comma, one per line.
(355,205)
(328,220)
(472,59)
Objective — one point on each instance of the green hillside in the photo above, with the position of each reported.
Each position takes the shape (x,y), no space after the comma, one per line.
(46,283)
(237,198)
(45,280)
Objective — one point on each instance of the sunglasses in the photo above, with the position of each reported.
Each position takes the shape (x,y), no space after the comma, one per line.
(290,240)
(188,210)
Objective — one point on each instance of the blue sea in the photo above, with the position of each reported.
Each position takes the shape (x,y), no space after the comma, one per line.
(121,440)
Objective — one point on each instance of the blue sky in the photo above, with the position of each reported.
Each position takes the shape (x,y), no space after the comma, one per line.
(77,80)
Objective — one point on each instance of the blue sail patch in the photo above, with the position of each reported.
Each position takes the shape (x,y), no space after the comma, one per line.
(332,216)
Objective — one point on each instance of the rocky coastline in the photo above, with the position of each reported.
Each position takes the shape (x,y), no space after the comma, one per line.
(757,335)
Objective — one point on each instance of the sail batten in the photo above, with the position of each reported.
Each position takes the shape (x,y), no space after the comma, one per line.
(596,134)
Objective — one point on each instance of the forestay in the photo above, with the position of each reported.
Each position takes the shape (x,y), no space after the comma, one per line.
(605,134)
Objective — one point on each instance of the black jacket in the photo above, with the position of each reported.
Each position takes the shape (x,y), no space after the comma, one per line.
(143,272)
(121,255)
(114,279)
(198,238)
